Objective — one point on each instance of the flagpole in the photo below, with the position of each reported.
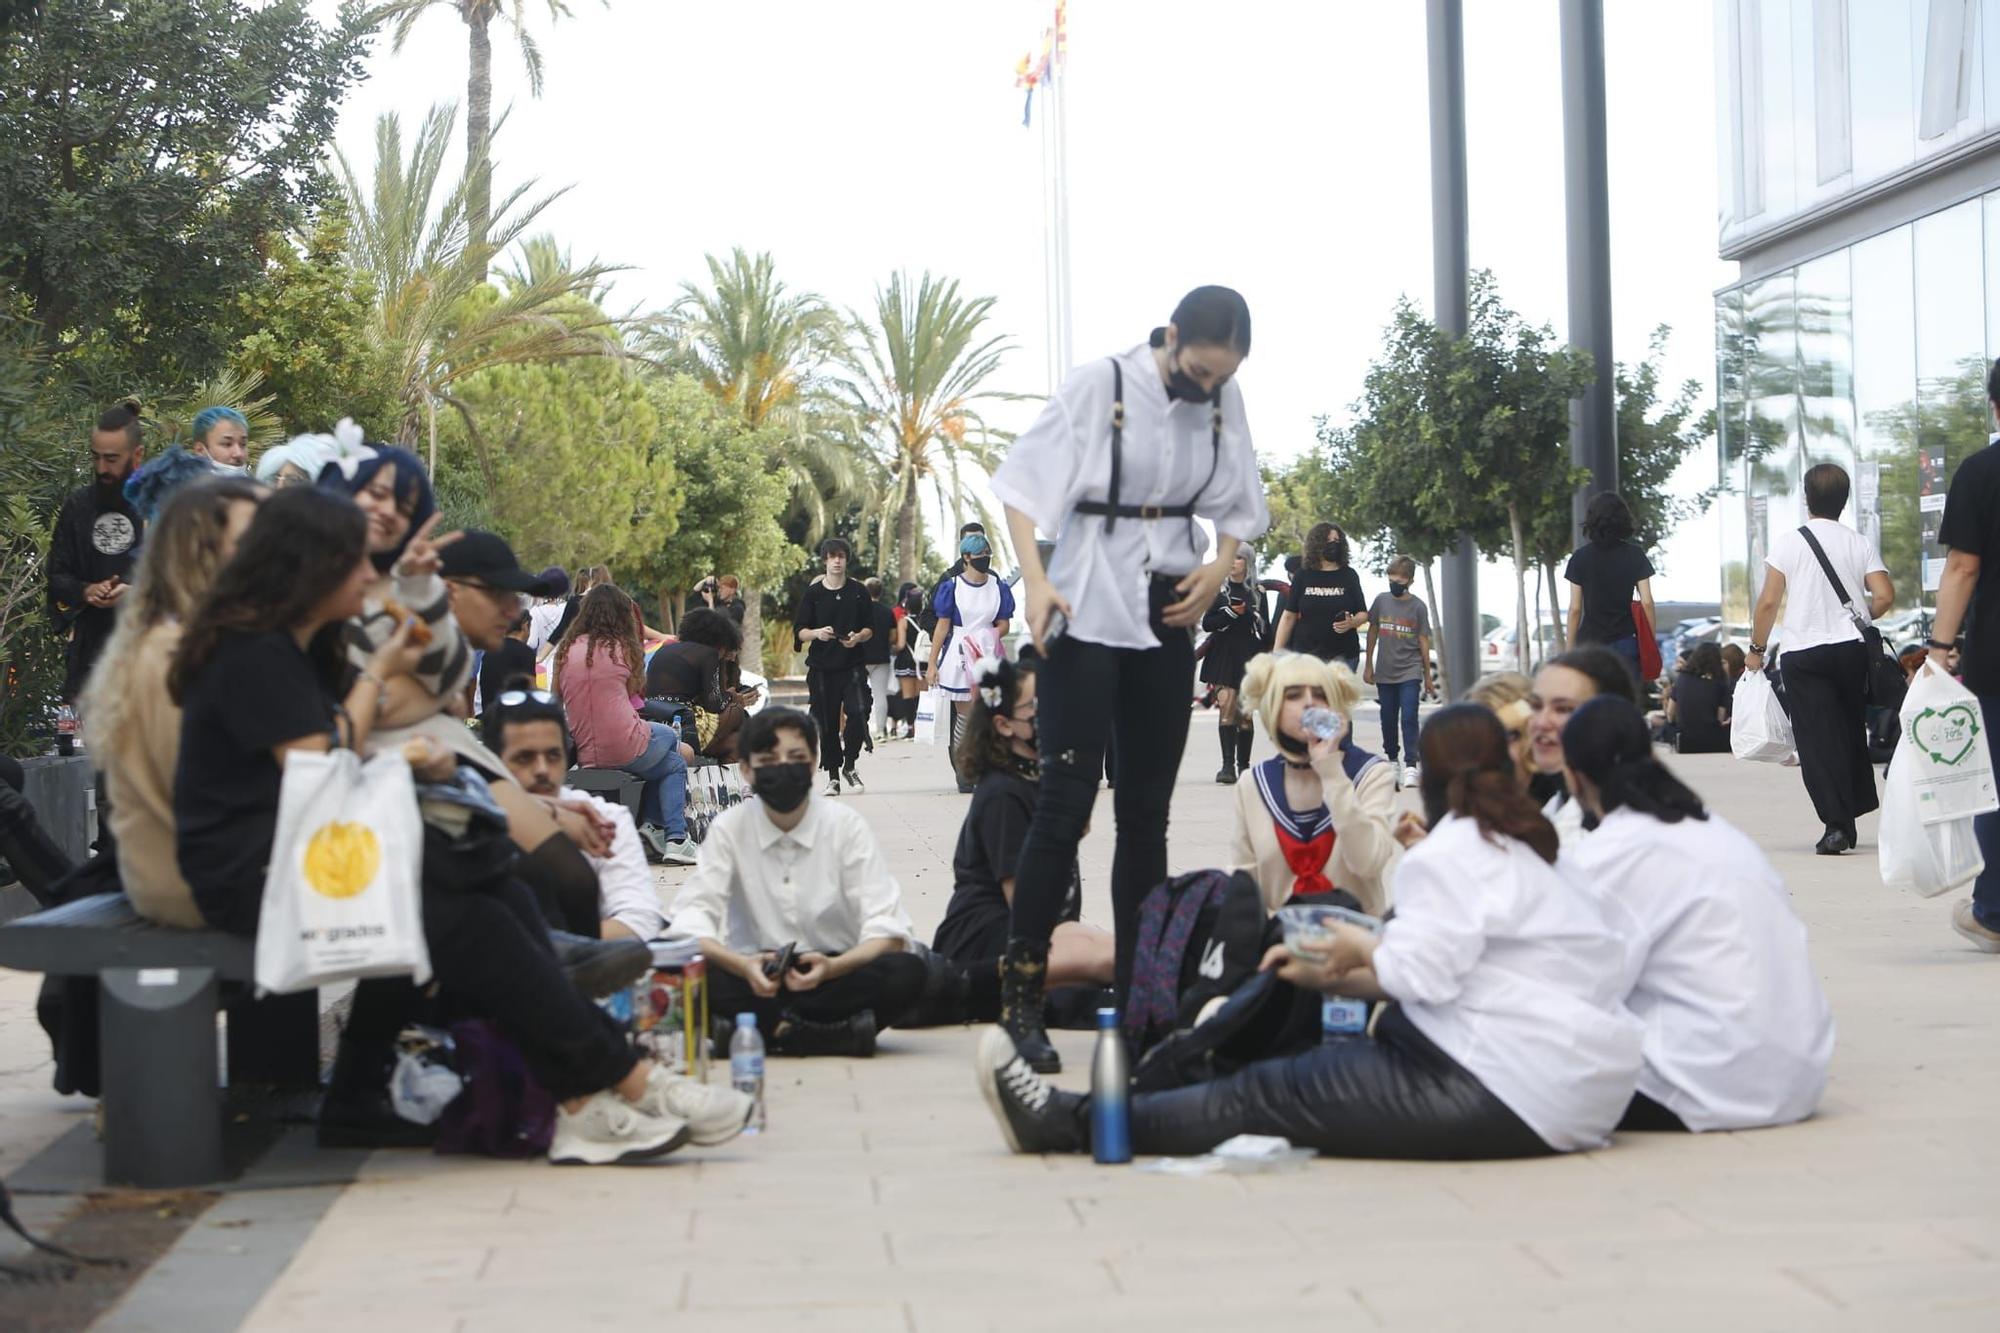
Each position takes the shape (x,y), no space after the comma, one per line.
(1065,350)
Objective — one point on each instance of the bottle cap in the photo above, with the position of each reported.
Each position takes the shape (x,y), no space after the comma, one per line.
(1107,1018)
(746,1020)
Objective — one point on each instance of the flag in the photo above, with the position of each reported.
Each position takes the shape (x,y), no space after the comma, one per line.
(1040,66)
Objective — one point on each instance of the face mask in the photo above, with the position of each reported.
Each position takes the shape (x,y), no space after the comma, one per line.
(1398,589)
(783,787)
(981,563)
(1337,551)
(1182,386)
(1291,745)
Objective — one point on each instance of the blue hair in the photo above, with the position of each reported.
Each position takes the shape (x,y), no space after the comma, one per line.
(412,486)
(209,418)
(152,485)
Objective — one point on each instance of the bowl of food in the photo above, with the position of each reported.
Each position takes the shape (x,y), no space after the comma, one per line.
(1309,928)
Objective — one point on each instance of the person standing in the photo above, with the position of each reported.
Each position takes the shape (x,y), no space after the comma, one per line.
(222,436)
(1325,610)
(95,545)
(974,609)
(876,657)
(1825,668)
(832,617)
(1605,574)
(1119,465)
(1399,660)
(1237,625)
(1970,532)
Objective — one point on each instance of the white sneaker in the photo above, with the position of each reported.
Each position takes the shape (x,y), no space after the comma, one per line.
(714,1114)
(833,787)
(609,1130)
(1409,775)
(679,852)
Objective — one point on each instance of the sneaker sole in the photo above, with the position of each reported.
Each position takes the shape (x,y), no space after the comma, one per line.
(994,1041)
(631,1155)
(603,976)
(1982,942)
(721,1136)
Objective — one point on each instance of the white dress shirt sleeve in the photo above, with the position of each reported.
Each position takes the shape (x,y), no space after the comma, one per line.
(865,879)
(1039,474)
(1438,933)
(701,908)
(1234,502)
(625,889)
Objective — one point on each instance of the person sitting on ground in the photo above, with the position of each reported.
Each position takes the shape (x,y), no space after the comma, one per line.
(800,920)
(262,672)
(692,674)
(1699,704)
(532,736)
(1738,1033)
(600,669)
(1314,818)
(1565,682)
(997,754)
(132,725)
(1732,664)
(1505,1035)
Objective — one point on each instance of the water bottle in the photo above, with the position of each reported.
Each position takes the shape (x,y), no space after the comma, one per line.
(746,1067)
(1342,1018)
(1110,1093)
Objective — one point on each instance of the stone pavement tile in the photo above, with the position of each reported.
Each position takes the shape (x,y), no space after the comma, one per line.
(1910,1291)
(725,1282)
(775,1237)
(213,1275)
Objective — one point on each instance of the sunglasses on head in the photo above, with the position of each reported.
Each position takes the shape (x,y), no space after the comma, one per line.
(515,698)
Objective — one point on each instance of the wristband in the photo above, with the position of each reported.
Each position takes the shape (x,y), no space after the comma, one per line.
(1941,647)
(1757,648)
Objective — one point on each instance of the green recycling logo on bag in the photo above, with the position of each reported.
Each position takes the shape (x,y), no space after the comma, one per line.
(1946,735)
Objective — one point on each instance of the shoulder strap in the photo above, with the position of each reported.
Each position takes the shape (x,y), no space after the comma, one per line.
(1117,442)
(1819,553)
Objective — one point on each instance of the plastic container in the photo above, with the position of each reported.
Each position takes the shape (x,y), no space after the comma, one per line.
(1309,928)
(1110,1094)
(746,1067)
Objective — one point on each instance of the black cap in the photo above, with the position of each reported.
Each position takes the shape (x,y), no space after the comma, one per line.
(486,557)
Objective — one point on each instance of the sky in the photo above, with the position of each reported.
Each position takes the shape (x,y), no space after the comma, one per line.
(1278,148)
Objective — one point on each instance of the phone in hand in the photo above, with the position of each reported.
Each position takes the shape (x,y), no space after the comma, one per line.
(782,962)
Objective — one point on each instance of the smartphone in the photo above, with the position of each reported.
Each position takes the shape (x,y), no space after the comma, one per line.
(1058,626)
(782,963)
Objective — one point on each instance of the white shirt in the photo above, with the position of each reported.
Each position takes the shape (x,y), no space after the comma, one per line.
(1567,816)
(543,617)
(1517,973)
(1813,615)
(1738,1033)
(625,890)
(823,885)
(1066,457)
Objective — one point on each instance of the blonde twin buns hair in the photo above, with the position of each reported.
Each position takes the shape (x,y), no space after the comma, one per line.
(1269,675)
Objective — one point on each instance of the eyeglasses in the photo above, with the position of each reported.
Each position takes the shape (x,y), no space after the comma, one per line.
(515,698)
(501,596)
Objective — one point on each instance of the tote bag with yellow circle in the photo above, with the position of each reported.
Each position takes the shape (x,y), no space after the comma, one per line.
(341,896)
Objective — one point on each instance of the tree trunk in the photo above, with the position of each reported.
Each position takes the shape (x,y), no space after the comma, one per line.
(1521,631)
(478,132)
(1556,609)
(906,536)
(1437,636)
(669,599)
(753,631)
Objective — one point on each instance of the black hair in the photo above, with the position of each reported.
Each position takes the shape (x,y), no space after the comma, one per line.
(760,733)
(1318,538)
(835,546)
(125,417)
(1826,490)
(911,595)
(1706,661)
(1607,518)
(966,530)
(1215,316)
(1602,668)
(499,716)
(711,628)
(1993,384)
(1606,741)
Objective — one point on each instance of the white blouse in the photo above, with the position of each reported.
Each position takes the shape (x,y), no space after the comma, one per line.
(1738,1033)
(1517,973)
(1066,457)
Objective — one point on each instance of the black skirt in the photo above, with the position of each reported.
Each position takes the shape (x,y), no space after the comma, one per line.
(1229,652)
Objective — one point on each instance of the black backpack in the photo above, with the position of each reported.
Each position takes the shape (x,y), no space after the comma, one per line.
(1201,935)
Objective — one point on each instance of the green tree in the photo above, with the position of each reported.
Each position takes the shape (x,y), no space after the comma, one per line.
(149,151)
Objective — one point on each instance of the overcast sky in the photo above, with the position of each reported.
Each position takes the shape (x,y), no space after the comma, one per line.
(1279,148)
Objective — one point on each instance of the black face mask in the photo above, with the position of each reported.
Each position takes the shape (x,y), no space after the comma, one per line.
(1182,386)
(1291,745)
(783,787)
(981,563)
(1398,589)
(1337,551)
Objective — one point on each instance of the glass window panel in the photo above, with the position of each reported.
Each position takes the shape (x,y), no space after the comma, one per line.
(1833,144)
(1989,60)
(1826,361)
(1951,353)
(1731,504)
(1885,393)
(1991,206)
(1745,162)
(1775,62)
(1881,85)
(1949,56)
(1771,394)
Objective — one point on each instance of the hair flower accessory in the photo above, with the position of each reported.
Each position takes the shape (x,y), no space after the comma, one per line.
(995,676)
(349,449)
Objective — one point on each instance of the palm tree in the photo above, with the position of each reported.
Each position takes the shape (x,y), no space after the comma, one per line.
(435,317)
(916,383)
(478,16)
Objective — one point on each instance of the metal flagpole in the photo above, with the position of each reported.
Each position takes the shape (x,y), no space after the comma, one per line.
(1059,113)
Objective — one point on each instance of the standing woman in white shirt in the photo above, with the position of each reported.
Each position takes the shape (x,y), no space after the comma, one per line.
(1507,1035)
(1826,663)
(1738,1033)
(1124,458)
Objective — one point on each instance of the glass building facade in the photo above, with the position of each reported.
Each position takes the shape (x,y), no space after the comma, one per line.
(1859,150)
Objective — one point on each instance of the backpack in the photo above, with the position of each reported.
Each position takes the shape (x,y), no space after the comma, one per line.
(1263,1019)
(502,1111)
(1201,935)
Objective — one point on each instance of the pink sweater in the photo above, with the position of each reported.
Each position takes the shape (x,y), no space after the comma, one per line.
(608,730)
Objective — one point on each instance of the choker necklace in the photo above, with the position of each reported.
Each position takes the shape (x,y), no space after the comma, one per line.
(1296,763)
(1031,769)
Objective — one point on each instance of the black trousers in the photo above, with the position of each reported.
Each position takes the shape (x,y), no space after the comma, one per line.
(1090,697)
(1824,687)
(889,986)
(1393,1095)
(491,954)
(833,691)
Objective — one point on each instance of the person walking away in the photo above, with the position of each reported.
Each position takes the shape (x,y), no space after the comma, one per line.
(1325,610)
(95,545)
(1237,625)
(832,617)
(878,654)
(1605,574)
(974,609)
(1399,661)
(911,607)
(1970,532)
(1825,668)
(1118,466)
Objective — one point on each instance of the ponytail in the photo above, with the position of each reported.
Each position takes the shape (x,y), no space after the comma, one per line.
(1493,798)
(1468,771)
(1607,742)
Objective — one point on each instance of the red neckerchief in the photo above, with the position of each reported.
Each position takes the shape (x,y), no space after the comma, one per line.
(1307,859)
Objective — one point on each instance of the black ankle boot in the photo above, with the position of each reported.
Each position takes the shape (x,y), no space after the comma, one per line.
(854,1036)
(1244,735)
(1024,971)
(1227,773)
(356,1111)
(947,993)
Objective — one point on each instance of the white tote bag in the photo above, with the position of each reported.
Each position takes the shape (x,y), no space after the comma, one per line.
(930,706)
(1940,779)
(1758,727)
(341,897)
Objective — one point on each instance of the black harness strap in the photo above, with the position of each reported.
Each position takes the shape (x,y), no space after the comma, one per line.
(1111,510)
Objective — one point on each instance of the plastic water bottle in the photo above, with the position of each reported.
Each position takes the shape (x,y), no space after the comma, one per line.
(1342,1018)
(746,1067)
(1110,1093)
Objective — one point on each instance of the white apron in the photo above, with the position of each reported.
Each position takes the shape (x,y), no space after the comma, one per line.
(973,635)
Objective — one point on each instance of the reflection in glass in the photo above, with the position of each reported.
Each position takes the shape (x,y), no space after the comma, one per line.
(1771,393)
(1826,361)
(1951,330)
(1885,393)
(1882,86)
(1729,432)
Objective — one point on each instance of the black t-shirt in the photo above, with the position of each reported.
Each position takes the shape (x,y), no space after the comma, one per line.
(1609,574)
(257,691)
(881,645)
(512,659)
(691,671)
(988,851)
(1697,701)
(845,609)
(1319,597)
(1972,524)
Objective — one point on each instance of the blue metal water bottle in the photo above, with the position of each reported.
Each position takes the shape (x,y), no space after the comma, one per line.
(1110,1093)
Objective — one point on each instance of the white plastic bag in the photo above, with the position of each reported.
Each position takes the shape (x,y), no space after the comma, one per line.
(1758,727)
(930,706)
(341,897)
(1944,735)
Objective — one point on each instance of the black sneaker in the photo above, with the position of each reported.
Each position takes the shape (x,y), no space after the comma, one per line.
(1034,1114)
(853,779)
(598,968)
(853,1036)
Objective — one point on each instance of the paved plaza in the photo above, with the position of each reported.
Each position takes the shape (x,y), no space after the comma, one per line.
(882,1197)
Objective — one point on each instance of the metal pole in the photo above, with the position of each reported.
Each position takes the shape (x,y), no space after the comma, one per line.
(1059,104)
(1587,207)
(1458,617)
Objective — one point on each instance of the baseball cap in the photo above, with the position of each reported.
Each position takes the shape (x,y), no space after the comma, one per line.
(974,543)
(488,558)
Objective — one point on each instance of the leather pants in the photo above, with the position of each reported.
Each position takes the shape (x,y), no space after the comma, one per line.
(1393,1095)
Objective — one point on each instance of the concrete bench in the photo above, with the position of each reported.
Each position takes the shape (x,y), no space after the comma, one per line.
(159,992)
